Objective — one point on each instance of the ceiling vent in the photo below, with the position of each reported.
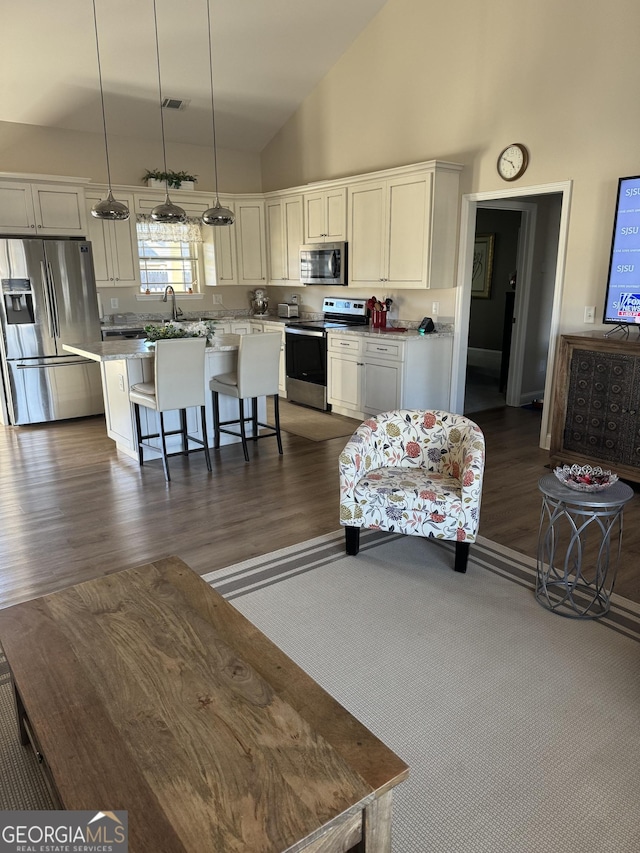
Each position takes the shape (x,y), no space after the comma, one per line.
(174,104)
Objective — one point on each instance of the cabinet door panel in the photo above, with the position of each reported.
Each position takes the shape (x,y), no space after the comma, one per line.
(382,386)
(366,243)
(336,213)
(344,379)
(16,208)
(97,233)
(251,242)
(275,240)
(314,218)
(293,233)
(59,211)
(408,230)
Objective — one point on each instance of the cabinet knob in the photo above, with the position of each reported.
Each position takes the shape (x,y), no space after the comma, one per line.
(39,226)
(32,226)
(359,363)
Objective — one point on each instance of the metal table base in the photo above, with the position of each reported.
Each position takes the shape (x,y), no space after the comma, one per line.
(565,584)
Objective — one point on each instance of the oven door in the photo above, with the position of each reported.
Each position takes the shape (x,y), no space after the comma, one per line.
(306,360)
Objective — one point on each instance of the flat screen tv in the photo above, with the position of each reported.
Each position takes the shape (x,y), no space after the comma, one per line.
(622,304)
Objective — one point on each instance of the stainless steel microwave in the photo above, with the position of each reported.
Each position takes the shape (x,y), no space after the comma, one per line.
(323,263)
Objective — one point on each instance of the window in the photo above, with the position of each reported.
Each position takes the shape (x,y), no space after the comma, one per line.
(169,254)
(163,262)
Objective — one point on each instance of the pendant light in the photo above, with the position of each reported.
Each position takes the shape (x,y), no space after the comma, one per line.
(216,215)
(109,208)
(167,211)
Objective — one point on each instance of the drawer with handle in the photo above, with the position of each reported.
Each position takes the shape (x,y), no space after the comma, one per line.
(342,343)
(390,350)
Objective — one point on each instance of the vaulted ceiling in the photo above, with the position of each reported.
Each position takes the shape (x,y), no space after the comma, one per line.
(268,55)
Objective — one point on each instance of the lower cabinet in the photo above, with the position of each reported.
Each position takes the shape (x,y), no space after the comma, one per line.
(368,375)
(596,404)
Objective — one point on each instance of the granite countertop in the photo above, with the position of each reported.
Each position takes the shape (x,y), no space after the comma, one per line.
(115,350)
(390,333)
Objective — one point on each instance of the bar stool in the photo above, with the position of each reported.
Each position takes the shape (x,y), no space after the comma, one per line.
(256,376)
(178,385)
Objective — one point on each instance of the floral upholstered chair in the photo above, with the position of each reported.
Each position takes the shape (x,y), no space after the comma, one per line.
(415,472)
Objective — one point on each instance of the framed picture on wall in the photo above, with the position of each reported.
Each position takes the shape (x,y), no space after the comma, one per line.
(482,266)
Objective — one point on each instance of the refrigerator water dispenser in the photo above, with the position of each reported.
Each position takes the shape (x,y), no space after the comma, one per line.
(18,300)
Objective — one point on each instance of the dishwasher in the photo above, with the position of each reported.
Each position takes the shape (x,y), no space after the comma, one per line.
(123,334)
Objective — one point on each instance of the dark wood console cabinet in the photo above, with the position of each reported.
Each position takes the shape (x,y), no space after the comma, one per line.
(596,403)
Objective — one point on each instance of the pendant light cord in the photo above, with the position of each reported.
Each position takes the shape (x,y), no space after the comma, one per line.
(104,120)
(164,150)
(213,111)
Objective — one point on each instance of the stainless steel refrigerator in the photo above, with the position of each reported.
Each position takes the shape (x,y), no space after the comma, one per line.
(48,299)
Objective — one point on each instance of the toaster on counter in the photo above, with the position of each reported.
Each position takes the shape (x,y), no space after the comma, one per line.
(286,309)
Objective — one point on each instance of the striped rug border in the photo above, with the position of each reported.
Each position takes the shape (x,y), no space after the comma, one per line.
(268,569)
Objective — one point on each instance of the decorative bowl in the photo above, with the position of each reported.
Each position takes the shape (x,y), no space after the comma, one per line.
(584,478)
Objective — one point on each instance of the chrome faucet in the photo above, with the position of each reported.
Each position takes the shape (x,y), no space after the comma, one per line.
(175,311)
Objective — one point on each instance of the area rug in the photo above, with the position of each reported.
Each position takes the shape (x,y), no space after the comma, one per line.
(312,424)
(521,727)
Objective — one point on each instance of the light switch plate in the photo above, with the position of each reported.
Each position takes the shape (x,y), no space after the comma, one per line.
(589,313)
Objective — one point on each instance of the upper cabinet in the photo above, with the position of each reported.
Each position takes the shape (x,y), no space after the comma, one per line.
(325,215)
(250,241)
(284,236)
(42,209)
(115,245)
(220,256)
(403,228)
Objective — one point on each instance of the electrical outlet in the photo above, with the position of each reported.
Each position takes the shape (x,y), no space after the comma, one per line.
(121,381)
(293,299)
(589,313)
(435,308)
(217,299)
(114,303)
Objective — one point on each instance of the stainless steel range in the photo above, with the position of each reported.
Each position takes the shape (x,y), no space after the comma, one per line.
(306,349)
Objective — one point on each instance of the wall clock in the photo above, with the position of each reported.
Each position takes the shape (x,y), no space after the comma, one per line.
(513,161)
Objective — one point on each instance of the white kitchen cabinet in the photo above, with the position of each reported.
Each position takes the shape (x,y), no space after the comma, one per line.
(241,327)
(403,228)
(42,209)
(325,215)
(114,244)
(284,236)
(268,326)
(344,373)
(220,253)
(251,242)
(368,374)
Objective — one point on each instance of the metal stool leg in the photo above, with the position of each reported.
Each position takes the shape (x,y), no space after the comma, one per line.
(276,415)
(163,445)
(216,420)
(136,410)
(243,432)
(205,438)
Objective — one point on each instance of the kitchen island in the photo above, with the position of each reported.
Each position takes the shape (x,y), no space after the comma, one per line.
(125,363)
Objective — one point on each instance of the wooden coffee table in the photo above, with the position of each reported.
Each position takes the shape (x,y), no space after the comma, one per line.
(146,691)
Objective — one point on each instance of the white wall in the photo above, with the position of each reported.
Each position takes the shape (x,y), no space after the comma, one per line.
(459,81)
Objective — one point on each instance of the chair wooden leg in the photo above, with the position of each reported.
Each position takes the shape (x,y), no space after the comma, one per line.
(243,432)
(216,419)
(352,540)
(276,415)
(462,555)
(205,438)
(163,446)
(136,411)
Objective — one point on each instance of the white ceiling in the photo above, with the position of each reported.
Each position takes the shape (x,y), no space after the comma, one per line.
(268,55)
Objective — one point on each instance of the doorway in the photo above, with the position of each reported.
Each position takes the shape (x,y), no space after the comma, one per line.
(544,212)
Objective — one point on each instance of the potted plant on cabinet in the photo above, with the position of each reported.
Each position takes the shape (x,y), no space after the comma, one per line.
(175,180)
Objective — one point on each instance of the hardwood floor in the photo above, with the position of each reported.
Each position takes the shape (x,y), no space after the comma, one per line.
(71,508)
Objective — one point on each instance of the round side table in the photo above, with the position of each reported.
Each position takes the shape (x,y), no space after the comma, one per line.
(563,583)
